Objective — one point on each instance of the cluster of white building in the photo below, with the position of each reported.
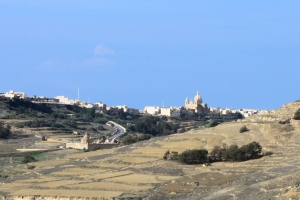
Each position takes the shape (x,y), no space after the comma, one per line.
(11,94)
(226,111)
(196,106)
(191,106)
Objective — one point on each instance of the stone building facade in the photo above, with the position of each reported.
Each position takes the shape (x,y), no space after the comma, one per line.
(196,105)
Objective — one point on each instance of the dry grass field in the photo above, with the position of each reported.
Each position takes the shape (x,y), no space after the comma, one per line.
(138,170)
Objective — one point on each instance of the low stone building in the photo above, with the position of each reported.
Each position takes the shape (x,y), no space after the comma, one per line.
(88,143)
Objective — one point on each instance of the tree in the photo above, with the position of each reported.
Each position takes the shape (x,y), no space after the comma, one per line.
(5,130)
(254,149)
(195,156)
(231,153)
(217,152)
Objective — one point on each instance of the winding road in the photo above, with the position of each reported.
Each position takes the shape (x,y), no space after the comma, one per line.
(120,130)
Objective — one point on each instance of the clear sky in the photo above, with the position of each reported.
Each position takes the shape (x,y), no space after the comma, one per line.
(237,54)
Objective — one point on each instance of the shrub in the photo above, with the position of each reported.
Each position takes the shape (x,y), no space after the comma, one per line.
(101,120)
(171,156)
(3,176)
(4,130)
(243,129)
(30,166)
(297,115)
(217,152)
(211,124)
(166,155)
(44,138)
(28,159)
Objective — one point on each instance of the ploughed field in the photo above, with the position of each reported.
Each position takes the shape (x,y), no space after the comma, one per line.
(138,170)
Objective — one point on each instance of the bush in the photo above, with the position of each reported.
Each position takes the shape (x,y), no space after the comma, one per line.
(297,115)
(4,130)
(101,120)
(243,129)
(211,124)
(100,128)
(28,159)
(30,166)
(3,176)
(171,156)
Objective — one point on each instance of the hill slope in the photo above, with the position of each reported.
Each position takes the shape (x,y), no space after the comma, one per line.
(138,170)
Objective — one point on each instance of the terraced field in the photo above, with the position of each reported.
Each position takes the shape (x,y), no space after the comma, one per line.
(138,170)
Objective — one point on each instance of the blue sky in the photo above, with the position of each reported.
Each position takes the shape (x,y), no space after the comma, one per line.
(237,54)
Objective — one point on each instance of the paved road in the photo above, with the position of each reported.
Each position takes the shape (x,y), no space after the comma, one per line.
(120,130)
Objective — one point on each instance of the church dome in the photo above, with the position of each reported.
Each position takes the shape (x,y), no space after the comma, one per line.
(198,98)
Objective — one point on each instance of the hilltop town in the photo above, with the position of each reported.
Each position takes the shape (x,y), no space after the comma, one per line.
(191,107)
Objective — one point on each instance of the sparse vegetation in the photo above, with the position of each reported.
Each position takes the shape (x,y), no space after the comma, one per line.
(5,130)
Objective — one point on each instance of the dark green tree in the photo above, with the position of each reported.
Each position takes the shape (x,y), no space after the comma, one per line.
(195,156)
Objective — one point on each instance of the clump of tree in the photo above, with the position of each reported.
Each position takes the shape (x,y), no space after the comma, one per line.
(5,130)
(212,123)
(235,153)
(232,153)
(297,115)
(133,139)
(155,126)
(243,129)
(195,156)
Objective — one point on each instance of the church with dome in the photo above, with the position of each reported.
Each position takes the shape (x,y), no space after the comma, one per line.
(196,105)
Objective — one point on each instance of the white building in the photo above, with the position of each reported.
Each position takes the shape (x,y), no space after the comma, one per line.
(125,108)
(66,100)
(152,110)
(214,110)
(11,94)
(170,112)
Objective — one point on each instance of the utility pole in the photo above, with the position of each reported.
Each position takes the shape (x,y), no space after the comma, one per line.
(78,94)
